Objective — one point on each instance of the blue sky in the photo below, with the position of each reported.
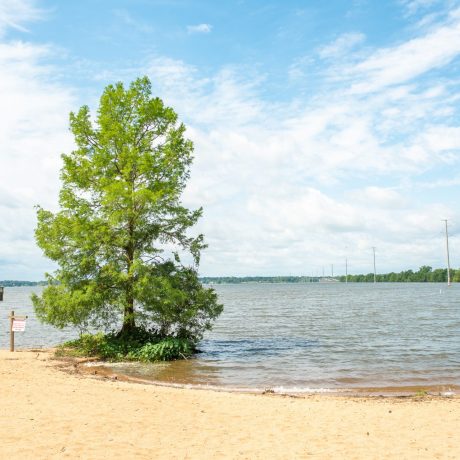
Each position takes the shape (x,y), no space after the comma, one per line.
(321,129)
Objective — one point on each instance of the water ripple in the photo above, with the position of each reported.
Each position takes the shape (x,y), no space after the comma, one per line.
(308,336)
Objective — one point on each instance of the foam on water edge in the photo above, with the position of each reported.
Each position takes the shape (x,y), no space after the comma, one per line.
(280,390)
(277,390)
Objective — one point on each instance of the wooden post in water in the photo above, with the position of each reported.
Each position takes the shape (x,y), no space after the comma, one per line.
(11,331)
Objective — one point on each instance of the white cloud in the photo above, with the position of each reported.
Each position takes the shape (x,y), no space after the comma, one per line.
(15,13)
(378,197)
(342,45)
(341,50)
(286,187)
(224,96)
(199,29)
(132,22)
(415,6)
(442,139)
(404,62)
(33,134)
(262,172)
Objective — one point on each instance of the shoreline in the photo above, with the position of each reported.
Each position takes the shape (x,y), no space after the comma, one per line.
(50,410)
(93,367)
(104,370)
(101,368)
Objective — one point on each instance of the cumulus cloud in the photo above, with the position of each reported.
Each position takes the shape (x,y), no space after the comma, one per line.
(287,187)
(279,184)
(33,133)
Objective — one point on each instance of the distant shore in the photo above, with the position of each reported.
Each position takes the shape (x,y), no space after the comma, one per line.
(49,410)
(18,283)
(423,275)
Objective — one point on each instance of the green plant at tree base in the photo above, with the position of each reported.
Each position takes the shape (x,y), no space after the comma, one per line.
(122,232)
(138,345)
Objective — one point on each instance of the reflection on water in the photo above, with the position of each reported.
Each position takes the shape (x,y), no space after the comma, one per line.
(316,336)
(190,372)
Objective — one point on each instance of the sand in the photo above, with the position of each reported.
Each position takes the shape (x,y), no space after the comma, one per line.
(47,412)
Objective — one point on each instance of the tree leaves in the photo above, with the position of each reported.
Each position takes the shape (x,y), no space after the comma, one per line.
(120,213)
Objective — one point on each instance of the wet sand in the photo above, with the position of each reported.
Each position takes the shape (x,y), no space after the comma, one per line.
(172,374)
(49,410)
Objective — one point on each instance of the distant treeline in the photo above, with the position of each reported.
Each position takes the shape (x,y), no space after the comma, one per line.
(425,274)
(256,279)
(10,283)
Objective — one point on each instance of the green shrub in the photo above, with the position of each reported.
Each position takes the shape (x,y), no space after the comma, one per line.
(138,345)
(165,350)
(86,345)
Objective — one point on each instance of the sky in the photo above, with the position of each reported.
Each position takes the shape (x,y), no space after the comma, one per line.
(321,129)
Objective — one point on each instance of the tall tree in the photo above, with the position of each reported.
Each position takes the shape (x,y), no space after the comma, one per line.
(121,231)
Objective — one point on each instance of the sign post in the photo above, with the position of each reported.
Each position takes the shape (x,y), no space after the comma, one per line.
(11,331)
(17,324)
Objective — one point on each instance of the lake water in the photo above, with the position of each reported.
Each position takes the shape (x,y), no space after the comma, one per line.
(303,337)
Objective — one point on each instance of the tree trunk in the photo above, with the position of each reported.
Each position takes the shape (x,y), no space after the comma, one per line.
(129,323)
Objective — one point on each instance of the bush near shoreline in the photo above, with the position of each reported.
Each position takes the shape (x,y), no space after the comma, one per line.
(137,345)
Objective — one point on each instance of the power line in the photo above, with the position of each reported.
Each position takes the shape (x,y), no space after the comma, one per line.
(375,273)
(447,252)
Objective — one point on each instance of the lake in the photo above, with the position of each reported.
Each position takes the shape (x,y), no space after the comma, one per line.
(304,337)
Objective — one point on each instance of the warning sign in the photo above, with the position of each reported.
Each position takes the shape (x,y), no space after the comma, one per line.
(19,325)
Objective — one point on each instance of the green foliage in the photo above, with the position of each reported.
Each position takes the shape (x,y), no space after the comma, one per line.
(121,232)
(165,350)
(139,345)
(180,305)
(423,275)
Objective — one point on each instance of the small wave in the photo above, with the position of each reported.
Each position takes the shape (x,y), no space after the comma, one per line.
(252,390)
(303,390)
(281,390)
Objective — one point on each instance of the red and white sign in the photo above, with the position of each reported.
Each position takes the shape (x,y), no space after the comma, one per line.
(19,325)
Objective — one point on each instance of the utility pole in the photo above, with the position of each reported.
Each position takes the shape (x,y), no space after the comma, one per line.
(332,270)
(346,270)
(375,273)
(447,251)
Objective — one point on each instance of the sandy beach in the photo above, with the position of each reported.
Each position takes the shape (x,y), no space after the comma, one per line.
(48,412)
